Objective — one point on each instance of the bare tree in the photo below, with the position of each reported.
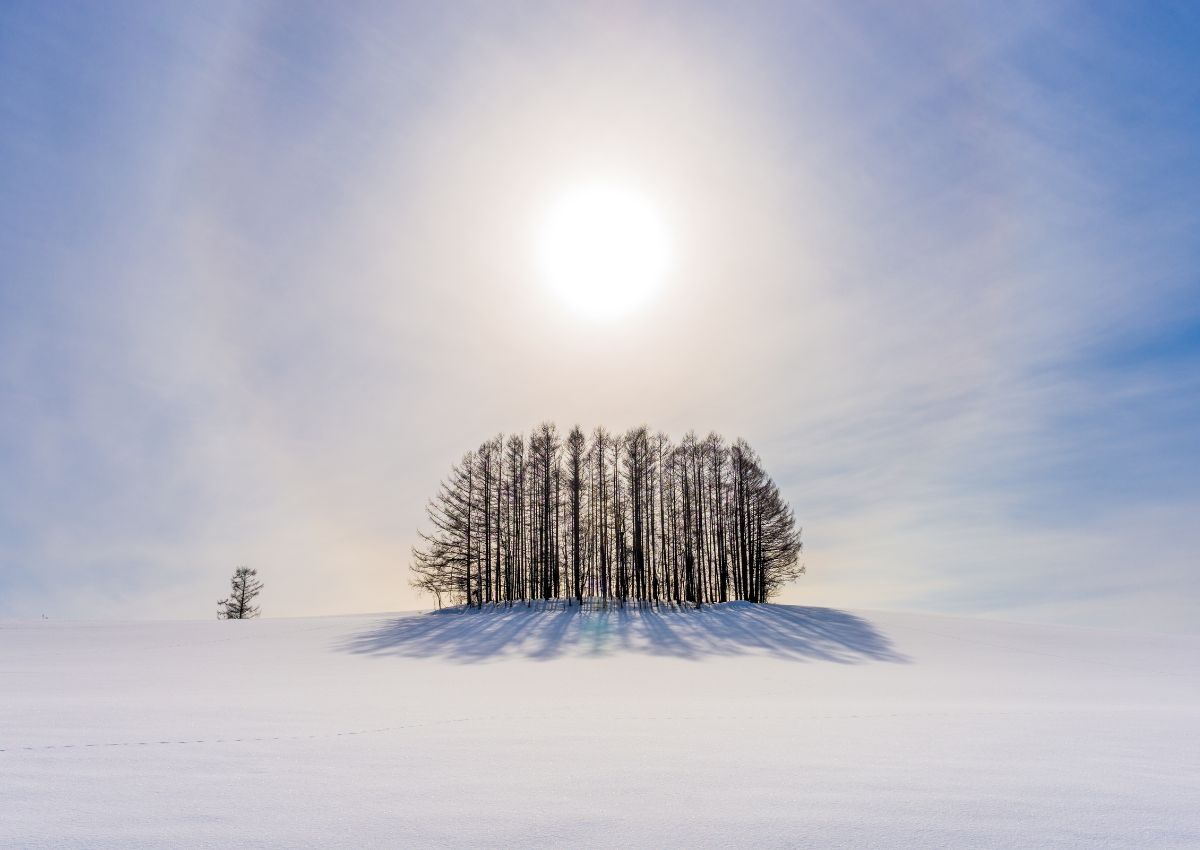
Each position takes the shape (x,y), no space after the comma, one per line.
(576,449)
(239,605)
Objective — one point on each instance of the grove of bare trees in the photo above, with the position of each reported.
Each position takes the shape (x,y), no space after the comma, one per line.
(607,517)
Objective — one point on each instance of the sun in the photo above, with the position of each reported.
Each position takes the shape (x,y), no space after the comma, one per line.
(603,249)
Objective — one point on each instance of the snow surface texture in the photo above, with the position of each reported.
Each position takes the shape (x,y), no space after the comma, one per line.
(738,726)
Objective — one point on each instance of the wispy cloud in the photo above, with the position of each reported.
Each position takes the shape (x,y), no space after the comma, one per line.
(267,270)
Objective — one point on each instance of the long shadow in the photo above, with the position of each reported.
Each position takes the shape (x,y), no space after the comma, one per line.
(546,631)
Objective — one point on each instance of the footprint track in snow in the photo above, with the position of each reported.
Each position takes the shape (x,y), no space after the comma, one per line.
(624,718)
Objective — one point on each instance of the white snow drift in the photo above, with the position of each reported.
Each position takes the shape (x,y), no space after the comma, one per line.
(736,726)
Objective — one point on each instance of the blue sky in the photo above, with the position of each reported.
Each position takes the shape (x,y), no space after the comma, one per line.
(265,270)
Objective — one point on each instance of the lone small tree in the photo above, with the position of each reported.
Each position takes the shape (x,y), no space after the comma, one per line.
(239,604)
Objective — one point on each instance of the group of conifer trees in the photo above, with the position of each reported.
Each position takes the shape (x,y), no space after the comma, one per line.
(611,518)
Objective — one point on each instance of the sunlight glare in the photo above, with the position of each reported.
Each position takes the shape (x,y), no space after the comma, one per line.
(603,250)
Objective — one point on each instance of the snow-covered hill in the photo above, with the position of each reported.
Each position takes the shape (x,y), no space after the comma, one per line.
(740,726)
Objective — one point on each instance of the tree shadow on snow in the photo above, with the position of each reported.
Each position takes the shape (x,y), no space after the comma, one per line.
(551,630)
